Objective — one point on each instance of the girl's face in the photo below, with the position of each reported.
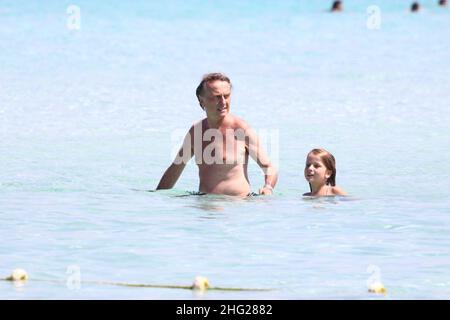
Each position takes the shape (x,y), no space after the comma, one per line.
(315,171)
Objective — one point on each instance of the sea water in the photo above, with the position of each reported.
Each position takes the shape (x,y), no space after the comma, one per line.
(91,113)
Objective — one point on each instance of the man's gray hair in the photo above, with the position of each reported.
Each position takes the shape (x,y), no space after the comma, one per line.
(208,78)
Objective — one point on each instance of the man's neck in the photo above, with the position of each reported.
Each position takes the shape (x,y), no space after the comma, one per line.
(215,123)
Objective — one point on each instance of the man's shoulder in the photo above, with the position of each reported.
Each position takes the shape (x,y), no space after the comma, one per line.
(239,123)
(198,124)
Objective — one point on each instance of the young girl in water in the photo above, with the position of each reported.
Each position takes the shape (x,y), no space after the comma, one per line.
(320,172)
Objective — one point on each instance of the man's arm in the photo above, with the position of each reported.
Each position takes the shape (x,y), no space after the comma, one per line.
(171,175)
(258,154)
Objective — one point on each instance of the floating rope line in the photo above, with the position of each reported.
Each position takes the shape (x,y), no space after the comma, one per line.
(164,286)
(200,283)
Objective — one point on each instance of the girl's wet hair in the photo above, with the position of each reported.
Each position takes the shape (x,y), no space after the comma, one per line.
(329,161)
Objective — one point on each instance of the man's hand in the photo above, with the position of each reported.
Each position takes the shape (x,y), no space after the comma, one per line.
(266,190)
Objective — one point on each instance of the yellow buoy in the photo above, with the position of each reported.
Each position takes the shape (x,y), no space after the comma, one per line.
(200,283)
(377,287)
(18,275)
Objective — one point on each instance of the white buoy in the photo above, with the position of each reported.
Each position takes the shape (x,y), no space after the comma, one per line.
(377,287)
(200,283)
(18,275)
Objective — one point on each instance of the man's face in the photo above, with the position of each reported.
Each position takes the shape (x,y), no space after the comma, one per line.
(216,98)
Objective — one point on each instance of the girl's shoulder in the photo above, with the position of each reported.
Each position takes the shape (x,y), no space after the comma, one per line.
(338,191)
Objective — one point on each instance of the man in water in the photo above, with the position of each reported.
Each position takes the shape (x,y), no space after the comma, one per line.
(221,144)
(337,6)
(443,3)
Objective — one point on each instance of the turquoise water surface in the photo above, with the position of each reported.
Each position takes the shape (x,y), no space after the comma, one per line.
(89,119)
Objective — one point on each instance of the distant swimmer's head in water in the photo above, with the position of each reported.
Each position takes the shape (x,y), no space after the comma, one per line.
(320,172)
(443,3)
(415,7)
(337,6)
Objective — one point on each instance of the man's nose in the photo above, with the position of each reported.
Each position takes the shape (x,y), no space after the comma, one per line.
(222,100)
